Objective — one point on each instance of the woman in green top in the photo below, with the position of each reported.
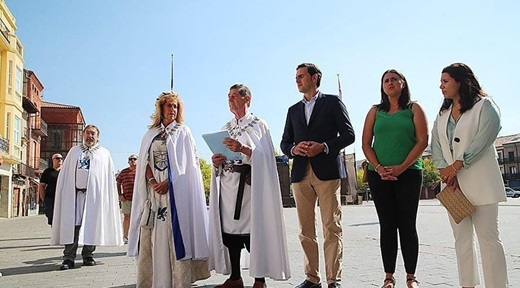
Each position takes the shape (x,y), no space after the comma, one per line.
(395,135)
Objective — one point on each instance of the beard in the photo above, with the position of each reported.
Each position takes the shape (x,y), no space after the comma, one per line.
(89,143)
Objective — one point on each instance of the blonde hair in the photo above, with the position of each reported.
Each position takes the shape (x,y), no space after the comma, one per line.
(159,102)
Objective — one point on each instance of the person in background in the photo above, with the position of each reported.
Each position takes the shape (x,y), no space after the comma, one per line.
(47,186)
(463,150)
(395,135)
(125,189)
(245,200)
(316,129)
(169,221)
(86,208)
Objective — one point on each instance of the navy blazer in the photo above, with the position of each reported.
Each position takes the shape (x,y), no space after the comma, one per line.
(329,123)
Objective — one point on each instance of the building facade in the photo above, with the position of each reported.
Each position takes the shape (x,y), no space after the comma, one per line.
(65,124)
(11,112)
(26,174)
(508,151)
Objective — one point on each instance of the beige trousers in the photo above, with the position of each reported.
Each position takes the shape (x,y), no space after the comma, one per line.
(484,223)
(327,193)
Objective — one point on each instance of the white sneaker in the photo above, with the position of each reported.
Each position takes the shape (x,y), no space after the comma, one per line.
(125,239)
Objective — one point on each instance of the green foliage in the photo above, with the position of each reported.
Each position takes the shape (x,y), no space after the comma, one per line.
(205,169)
(430,173)
(359,179)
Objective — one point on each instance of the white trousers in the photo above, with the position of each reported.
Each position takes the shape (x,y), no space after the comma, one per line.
(484,223)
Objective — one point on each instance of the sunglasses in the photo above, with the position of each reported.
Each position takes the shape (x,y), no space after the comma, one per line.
(132,159)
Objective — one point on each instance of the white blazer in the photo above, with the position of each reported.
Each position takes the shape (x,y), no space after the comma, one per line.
(481,182)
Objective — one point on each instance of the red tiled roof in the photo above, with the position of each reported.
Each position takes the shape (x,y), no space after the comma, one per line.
(58,105)
(505,139)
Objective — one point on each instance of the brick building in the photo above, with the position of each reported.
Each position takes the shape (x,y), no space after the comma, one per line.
(65,125)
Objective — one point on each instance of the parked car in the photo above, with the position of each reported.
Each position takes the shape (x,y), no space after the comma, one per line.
(510,192)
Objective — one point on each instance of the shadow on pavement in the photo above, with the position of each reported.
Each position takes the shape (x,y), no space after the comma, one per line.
(29,270)
(46,247)
(22,239)
(39,247)
(364,224)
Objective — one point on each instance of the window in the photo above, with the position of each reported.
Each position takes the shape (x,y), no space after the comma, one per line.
(8,126)
(10,78)
(16,130)
(55,139)
(513,170)
(18,87)
(17,126)
(511,156)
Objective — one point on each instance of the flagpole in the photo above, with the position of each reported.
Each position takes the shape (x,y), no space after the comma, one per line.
(340,95)
(171,75)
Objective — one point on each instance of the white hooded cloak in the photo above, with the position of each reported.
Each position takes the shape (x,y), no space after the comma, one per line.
(269,256)
(101,222)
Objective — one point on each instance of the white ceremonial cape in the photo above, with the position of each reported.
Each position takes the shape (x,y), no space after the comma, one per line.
(269,256)
(101,223)
(188,191)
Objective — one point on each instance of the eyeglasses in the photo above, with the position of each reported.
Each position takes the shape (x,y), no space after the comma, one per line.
(132,159)
(58,158)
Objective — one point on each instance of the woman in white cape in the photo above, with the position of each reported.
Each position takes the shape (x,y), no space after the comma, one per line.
(169,221)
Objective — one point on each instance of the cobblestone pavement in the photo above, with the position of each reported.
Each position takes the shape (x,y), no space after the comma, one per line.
(26,259)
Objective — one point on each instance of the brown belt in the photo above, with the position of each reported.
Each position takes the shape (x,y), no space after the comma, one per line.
(245,173)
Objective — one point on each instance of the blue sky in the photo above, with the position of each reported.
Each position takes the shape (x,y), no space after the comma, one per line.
(112,58)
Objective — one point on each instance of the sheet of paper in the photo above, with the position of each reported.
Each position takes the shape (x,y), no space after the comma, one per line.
(214,141)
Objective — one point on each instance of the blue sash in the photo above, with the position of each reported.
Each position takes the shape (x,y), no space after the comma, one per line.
(178,244)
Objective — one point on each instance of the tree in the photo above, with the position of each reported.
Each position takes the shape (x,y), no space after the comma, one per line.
(205,169)
(359,179)
(430,173)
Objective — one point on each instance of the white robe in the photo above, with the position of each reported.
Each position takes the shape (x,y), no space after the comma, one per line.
(188,192)
(101,223)
(269,256)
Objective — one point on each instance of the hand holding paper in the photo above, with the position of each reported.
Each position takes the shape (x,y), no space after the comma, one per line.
(215,142)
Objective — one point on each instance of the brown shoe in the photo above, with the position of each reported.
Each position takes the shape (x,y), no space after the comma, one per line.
(232,284)
(259,284)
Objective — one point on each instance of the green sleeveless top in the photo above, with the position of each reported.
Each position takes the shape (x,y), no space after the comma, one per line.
(394,138)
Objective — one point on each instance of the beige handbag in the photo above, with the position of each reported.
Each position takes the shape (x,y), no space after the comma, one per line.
(456,203)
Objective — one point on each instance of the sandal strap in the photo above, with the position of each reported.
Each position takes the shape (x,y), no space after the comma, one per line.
(413,280)
(389,281)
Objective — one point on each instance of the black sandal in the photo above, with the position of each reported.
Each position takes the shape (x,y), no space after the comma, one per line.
(389,283)
(411,281)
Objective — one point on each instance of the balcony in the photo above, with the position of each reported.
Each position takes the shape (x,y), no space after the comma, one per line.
(4,144)
(511,176)
(508,160)
(43,164)
(24,170)
(4,31)
(40,127)
(25,135)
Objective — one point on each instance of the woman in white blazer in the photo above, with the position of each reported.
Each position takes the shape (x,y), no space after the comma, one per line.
(463,150)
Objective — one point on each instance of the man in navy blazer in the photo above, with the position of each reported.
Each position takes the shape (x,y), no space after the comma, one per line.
(316,129)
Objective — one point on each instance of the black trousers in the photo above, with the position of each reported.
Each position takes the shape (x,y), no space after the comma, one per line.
(49,208)
(69,253)
(396,205)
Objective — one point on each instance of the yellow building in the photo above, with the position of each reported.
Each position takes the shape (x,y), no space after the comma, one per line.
(11,89)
